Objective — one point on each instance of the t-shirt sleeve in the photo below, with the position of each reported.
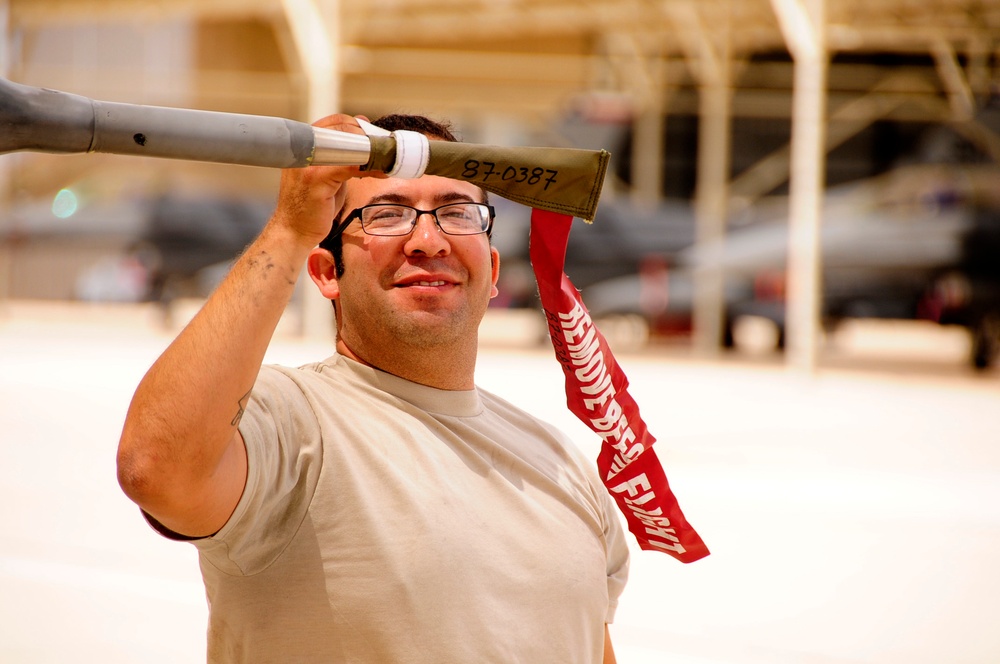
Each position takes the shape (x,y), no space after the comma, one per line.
(284,456)
(612,522)
(617,552)
(607,514)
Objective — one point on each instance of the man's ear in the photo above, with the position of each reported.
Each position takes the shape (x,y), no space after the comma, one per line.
(323,272)
(495,264)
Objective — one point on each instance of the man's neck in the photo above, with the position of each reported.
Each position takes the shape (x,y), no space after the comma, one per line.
(447,368)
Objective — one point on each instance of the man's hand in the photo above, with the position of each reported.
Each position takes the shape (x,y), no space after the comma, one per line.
(309,198)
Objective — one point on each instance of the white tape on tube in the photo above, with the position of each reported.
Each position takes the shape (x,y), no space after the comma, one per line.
(413,150)
(372,130)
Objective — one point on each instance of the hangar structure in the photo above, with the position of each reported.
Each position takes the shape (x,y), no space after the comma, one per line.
(829,68)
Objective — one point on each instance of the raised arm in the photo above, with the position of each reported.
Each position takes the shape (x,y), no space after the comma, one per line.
(181,457)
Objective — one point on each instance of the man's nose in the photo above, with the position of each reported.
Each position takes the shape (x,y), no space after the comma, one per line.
(427,237)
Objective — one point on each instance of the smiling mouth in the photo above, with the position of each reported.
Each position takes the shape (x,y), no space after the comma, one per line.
(424,283)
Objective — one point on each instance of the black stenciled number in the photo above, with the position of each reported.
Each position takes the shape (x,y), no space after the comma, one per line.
(517,174)
(471,169)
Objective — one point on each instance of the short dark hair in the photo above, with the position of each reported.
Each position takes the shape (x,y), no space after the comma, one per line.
(395,122)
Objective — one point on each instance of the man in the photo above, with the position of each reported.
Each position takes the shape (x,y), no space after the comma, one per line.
(376,506)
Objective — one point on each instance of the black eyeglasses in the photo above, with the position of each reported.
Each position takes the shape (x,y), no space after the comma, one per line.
(390,219)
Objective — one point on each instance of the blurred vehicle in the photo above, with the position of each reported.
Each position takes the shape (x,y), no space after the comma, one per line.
(189,243)
(622,236)
(130,247)
(921,242)
(657,301)
(626,239)
(602,260)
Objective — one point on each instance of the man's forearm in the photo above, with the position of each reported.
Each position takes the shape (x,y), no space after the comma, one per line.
(187,407)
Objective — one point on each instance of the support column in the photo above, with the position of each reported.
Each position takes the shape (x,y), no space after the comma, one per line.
(648,130)
(803,25)
(711,62)
(712,208)
(647,152)
(315,28)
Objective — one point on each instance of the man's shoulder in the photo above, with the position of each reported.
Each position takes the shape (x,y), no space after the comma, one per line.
(282,382)
(519,417)
(328,368)
(495,402)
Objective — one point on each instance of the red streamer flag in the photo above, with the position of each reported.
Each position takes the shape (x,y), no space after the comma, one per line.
(597,393)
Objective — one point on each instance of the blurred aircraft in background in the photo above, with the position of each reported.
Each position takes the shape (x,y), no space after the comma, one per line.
(133,247)
(185,237)
(921,242)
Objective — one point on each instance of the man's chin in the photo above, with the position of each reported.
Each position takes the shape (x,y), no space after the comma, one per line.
(439,326)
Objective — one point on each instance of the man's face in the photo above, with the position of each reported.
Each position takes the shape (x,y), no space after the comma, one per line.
(426,288)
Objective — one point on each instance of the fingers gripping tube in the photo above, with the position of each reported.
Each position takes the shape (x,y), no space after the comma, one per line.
(337,148)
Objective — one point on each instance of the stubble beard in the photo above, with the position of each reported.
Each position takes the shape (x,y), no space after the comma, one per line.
(434,327)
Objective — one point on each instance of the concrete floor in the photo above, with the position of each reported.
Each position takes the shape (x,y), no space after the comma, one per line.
(853,515)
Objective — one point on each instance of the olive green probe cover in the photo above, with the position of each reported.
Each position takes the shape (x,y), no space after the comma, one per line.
(563,180)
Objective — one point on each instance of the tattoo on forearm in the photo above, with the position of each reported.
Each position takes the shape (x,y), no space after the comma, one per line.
(261,261)
(243,405)
(265,264)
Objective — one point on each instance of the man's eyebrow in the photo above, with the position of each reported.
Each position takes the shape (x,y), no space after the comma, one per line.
(441,199)
(387,198)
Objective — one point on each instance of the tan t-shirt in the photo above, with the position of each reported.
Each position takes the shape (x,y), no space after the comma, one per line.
(386,521)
